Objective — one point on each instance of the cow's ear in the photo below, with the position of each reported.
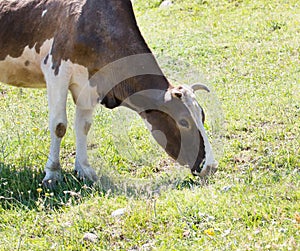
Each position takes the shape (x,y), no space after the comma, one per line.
(177,93)
(172,93)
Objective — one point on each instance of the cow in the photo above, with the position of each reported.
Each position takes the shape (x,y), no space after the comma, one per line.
(94,49)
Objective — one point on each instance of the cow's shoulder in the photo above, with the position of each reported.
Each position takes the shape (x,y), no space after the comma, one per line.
(104,32)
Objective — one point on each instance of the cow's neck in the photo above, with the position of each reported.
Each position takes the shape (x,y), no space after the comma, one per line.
(138,93)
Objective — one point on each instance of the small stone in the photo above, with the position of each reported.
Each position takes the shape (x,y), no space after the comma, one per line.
(210,218)
(282,230)
(67,224)
(166,3)
(90,237)
(257,231)
(118,212)
(226,188)
(147,246)
(186,233)
(226,232)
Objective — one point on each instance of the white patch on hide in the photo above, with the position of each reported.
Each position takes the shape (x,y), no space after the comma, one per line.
(25,71)
(44,13)
(189,100)
(84,95)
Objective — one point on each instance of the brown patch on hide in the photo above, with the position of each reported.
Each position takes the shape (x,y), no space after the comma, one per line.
(60,130)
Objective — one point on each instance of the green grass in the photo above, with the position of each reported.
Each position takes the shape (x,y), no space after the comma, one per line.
(249,54)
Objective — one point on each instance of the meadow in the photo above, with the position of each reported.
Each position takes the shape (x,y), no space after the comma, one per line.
(248,52)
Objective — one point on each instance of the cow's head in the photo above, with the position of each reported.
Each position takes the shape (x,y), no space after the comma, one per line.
(177,125)
(173,114)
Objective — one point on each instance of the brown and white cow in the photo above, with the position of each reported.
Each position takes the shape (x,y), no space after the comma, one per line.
(63,44)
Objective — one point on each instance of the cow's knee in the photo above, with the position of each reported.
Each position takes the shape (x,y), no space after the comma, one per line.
(60,130)
(87,127)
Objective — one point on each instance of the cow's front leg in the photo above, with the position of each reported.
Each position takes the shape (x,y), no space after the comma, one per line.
(83,122)
(57,90)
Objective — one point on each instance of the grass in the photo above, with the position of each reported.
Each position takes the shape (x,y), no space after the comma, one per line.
(249,53)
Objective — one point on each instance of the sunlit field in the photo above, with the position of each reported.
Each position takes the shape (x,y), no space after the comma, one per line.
(248,53)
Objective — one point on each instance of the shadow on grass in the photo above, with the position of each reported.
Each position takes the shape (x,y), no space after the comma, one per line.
(20,187)
(116,184)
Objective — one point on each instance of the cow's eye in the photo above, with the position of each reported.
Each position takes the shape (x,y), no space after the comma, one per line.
(184,123)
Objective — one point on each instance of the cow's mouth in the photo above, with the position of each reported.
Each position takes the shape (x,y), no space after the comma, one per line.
(197,168)
(204,169)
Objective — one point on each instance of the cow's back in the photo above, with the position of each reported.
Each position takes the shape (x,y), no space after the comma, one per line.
(91,33)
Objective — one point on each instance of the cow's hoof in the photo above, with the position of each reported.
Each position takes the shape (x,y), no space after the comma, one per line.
(86,173)
(51,179)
